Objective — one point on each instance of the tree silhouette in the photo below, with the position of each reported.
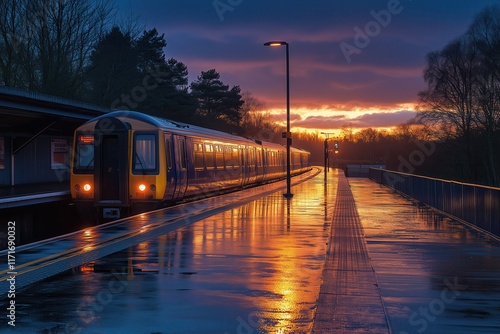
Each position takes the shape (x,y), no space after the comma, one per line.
(218,106)
(113,70)
(165,81)
(170,98)
(464,99)
(485,35)
(46,44)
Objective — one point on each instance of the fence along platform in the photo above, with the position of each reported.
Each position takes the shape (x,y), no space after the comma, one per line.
(349,300)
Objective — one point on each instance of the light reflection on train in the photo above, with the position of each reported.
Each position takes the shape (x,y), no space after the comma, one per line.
(126,161)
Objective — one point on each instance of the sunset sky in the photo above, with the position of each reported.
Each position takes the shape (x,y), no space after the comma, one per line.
(351,62)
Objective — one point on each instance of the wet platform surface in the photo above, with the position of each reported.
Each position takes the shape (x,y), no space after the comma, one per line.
(259,268)
(349,299)
(42,259)
(22,195)
(435,274)
(255,268)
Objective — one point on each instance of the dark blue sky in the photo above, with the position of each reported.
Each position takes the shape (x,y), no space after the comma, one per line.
(347,58)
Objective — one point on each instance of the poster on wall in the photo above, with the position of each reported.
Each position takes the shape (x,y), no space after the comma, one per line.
(2,153)
(59,153)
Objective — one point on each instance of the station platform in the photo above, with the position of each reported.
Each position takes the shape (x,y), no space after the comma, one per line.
(23,195)
(345,255)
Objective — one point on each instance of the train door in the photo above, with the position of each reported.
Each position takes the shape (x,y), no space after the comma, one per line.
(182,172)
(110,169)
(111,137)
(175,147)
(172,176)
(244,165)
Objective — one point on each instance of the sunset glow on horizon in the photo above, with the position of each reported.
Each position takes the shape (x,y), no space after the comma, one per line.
(335,120)
(357,64)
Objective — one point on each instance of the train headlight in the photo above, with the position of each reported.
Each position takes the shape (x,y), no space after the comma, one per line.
(87,187)
(142,187)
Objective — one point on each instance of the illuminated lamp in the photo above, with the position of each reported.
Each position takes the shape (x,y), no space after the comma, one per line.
(288,134)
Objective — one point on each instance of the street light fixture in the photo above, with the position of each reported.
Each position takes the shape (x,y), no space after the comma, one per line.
(288,135)
(327,157)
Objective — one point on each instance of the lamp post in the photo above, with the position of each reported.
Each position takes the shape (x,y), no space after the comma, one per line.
(327,157)
(288,135)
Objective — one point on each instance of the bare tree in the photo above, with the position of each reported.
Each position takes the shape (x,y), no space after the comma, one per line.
(367,135)
(450,76)
(347,133)
(485,34)
(48,42)
(12,47)
(256,122)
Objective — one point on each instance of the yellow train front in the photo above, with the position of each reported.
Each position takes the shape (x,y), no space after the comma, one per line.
(127,162)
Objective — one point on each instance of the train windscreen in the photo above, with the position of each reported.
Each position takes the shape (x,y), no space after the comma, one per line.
(84,154)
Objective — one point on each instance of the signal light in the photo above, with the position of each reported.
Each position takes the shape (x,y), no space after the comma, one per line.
(142,187)
(87,187)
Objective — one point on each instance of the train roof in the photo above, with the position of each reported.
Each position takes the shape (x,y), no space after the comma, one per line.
(186,129)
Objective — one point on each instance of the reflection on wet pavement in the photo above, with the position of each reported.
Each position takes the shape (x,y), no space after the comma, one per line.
(257,269)
(253,269)
(435,274)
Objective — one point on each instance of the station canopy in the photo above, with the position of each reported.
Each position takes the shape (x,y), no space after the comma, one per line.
(28,113)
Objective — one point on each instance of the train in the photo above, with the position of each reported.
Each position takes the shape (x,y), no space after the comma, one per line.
(126,162)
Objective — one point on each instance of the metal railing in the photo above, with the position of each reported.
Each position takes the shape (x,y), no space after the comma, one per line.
(475,204)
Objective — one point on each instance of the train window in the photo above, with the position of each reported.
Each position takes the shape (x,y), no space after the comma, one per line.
(251,157)
(271,158)
(236,157)
(228,160)
(259,157)
(198,156)
(84,154)
(219,156)
(209,156)
(145,159)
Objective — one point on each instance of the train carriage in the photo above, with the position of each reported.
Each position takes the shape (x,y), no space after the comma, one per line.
(126,162)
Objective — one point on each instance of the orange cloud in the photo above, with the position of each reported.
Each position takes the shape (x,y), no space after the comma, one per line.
(334,120)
